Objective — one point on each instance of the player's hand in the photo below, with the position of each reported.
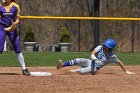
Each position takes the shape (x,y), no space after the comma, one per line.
(128,72)
(93,57)
(11,28)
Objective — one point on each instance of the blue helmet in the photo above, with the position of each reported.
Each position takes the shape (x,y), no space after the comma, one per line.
(110,43)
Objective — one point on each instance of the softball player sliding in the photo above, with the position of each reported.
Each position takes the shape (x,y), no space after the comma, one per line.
(100,56)
(10,13)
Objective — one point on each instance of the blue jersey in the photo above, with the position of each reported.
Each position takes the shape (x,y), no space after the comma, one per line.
(103,57)
(9,13)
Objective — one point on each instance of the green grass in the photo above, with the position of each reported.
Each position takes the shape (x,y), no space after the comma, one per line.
(8,59)
(129,58)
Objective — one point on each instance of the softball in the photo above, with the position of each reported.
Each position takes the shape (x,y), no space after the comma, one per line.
(60,60)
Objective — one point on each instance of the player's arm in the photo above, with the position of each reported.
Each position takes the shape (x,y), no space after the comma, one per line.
(17,19)
(123,67)
(13,26)
(93,57)
(15,22)
(18,16)
(94,52)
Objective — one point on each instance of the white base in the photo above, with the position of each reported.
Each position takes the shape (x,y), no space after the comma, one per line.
(40,73)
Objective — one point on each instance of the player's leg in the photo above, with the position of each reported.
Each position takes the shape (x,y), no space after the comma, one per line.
(22,63)
(85,70)
(86,66)
(93,68)
(2,39)
(88,69)
(81,61)
(60,63)
(14,39)
(84,63)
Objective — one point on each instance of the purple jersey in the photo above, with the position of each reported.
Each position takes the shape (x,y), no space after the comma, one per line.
(9,13)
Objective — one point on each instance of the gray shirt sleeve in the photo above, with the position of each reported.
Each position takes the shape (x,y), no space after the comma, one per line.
(97,49)
(114,59)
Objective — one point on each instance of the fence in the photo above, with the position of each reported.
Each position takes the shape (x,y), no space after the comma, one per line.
(104,19)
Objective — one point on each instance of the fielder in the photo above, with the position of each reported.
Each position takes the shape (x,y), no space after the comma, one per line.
(100,56)
(10,13)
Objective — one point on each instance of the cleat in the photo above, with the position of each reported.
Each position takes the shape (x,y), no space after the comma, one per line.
(59,64)
(25,72)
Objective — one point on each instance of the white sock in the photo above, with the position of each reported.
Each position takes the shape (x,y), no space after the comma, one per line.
(21,60)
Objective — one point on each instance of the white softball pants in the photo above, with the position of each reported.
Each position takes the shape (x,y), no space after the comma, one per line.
(85,65)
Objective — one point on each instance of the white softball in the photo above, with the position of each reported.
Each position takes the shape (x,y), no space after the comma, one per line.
(60,60)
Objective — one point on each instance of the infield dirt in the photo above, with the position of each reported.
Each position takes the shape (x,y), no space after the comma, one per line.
(110,79)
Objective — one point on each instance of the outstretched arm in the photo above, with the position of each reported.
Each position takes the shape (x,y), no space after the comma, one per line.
(122,66)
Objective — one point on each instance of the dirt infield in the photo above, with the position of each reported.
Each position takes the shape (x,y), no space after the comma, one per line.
(110,79)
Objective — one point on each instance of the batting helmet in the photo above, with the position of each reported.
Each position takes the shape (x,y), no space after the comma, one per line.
(110,43)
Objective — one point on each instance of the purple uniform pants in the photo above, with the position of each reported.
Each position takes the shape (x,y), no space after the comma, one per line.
(13,37)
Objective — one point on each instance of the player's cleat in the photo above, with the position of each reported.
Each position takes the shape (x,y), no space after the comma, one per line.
(25,72)
(59,64)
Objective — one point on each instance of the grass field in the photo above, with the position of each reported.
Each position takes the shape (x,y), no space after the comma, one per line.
(8,59)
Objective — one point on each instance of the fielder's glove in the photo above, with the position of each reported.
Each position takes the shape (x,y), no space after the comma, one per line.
(93,57)
(11,28)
